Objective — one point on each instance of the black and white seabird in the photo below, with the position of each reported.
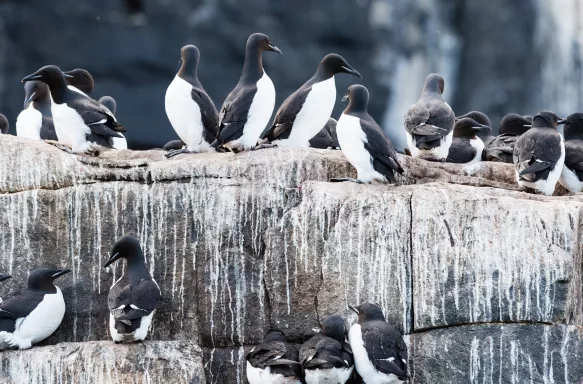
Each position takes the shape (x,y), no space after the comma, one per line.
(35,314)
(4,124)
(466,146)
(80,80)
(326,357)
(274,361)
(133,299)
(110,103)
(35,122)
(483,119)
(303,114)
(539,154)
(80,122)
(380,353)
(429,122)
(248,108)
(3,277)
(501,148)
(364,143)
(572,174)
(327,137)
(189,108)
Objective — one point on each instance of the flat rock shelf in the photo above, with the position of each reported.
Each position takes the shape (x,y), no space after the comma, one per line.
(483,278)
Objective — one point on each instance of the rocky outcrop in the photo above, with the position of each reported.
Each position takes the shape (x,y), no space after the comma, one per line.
(459,257)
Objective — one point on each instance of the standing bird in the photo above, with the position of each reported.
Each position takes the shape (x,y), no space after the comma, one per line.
(80,122)
(274,361)
(109,103)
(501,148)
(572,175)
(364,143)
(326,357)
(380,353)
(248,108)
(327,137)
(539,154)
(35,122)
(80,80)
(466,146)
(429,122)
(133,299)
(303,114)
(189,108)
(483,119)
(35,314)
(2,278)
(4,124)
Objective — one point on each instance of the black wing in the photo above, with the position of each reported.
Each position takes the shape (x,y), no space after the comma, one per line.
(286,114)
(429,119)
(536,153)
(460,151)
(17,307)
(380,148)
(500,148)
(327,137)
(322,352)
(98,118)
(234,114)
(385,348)
(129,302)
(174,144)
(574,157)
(208,112)
(281,357)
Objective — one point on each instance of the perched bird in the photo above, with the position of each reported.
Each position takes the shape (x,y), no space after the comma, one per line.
(364,143)
(380,353)
(2,278)
(248,108)
(80,80)
(133,299)
(35,314)
(190,110)
(80,122)
(483,119)
(4,124)
(327,137)
(539,154)
(35,122)
(326,357)
(466,146)
(303,114)
(572,174)
(173,145)
(429,122)
(501,148)
(274,361)
(109,103)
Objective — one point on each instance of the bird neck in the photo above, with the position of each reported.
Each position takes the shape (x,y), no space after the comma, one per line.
(136,269)
(430,91)
(42,287)
(357,108)
(43,106)
(323,73)
(189,72)
(253,66)
(59,90)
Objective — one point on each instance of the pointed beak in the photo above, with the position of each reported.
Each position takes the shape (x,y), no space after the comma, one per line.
(60,272)
(482,128)
(351,71)
(28,100)
(31,77)
(67,74)
(345,97)
(562,121)
(111,260)
(355,309)
(275,49)
(4,277)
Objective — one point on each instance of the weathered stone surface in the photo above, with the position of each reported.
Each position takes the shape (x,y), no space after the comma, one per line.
(176,362)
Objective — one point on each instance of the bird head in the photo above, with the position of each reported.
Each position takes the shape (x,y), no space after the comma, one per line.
(127,247)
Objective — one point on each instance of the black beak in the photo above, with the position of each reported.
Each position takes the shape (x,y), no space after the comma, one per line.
(482,128)
(112,259)
(345,97)
(4,277)
(60,272)
(274,48)
(355,309)
(562,121)
(28,100)
(66,74)
(34,76)
(348,69)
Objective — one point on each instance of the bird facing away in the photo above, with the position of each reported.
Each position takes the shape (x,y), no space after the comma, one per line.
(572,174)
(364,143)
(481,118)
(3,277)
(429,122)
(34,315)
(80,80)
(466,146)
(326,357)
(4,124)
(539,154)
(189,108)
(501,148)
(110,103)
(274,361)
(380,353)
(81,123)
(327,137)
(35,121)
(133,299)
(303,114)
(248,108)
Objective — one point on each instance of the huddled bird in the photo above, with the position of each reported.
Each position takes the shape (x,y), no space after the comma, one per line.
(501,148)
(572,174)
(466,146)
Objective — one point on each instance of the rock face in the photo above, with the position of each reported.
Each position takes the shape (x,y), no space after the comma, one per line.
(460,259)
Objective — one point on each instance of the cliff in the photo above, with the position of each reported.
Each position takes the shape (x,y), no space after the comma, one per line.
(484,279)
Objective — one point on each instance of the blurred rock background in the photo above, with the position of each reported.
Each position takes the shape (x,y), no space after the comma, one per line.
(498,56)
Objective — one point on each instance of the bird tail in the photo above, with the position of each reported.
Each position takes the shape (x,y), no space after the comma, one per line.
(216,144)
(527,169)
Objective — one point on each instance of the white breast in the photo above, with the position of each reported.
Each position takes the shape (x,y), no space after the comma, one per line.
(44,320)
(478,145)
(570,180)
(313,116)
(119,142)
(264,376)
(328,376)
(69,126)
(75,89)
(28,123)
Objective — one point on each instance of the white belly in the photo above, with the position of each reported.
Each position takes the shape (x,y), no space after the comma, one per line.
(570,180)
(313,116)
(69,126)
(328,376)
(120,142)
(264,376)
(478,145)
(437,153)
(28,123)
(259,114)
(363,365)
(351,139)
(547,186)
